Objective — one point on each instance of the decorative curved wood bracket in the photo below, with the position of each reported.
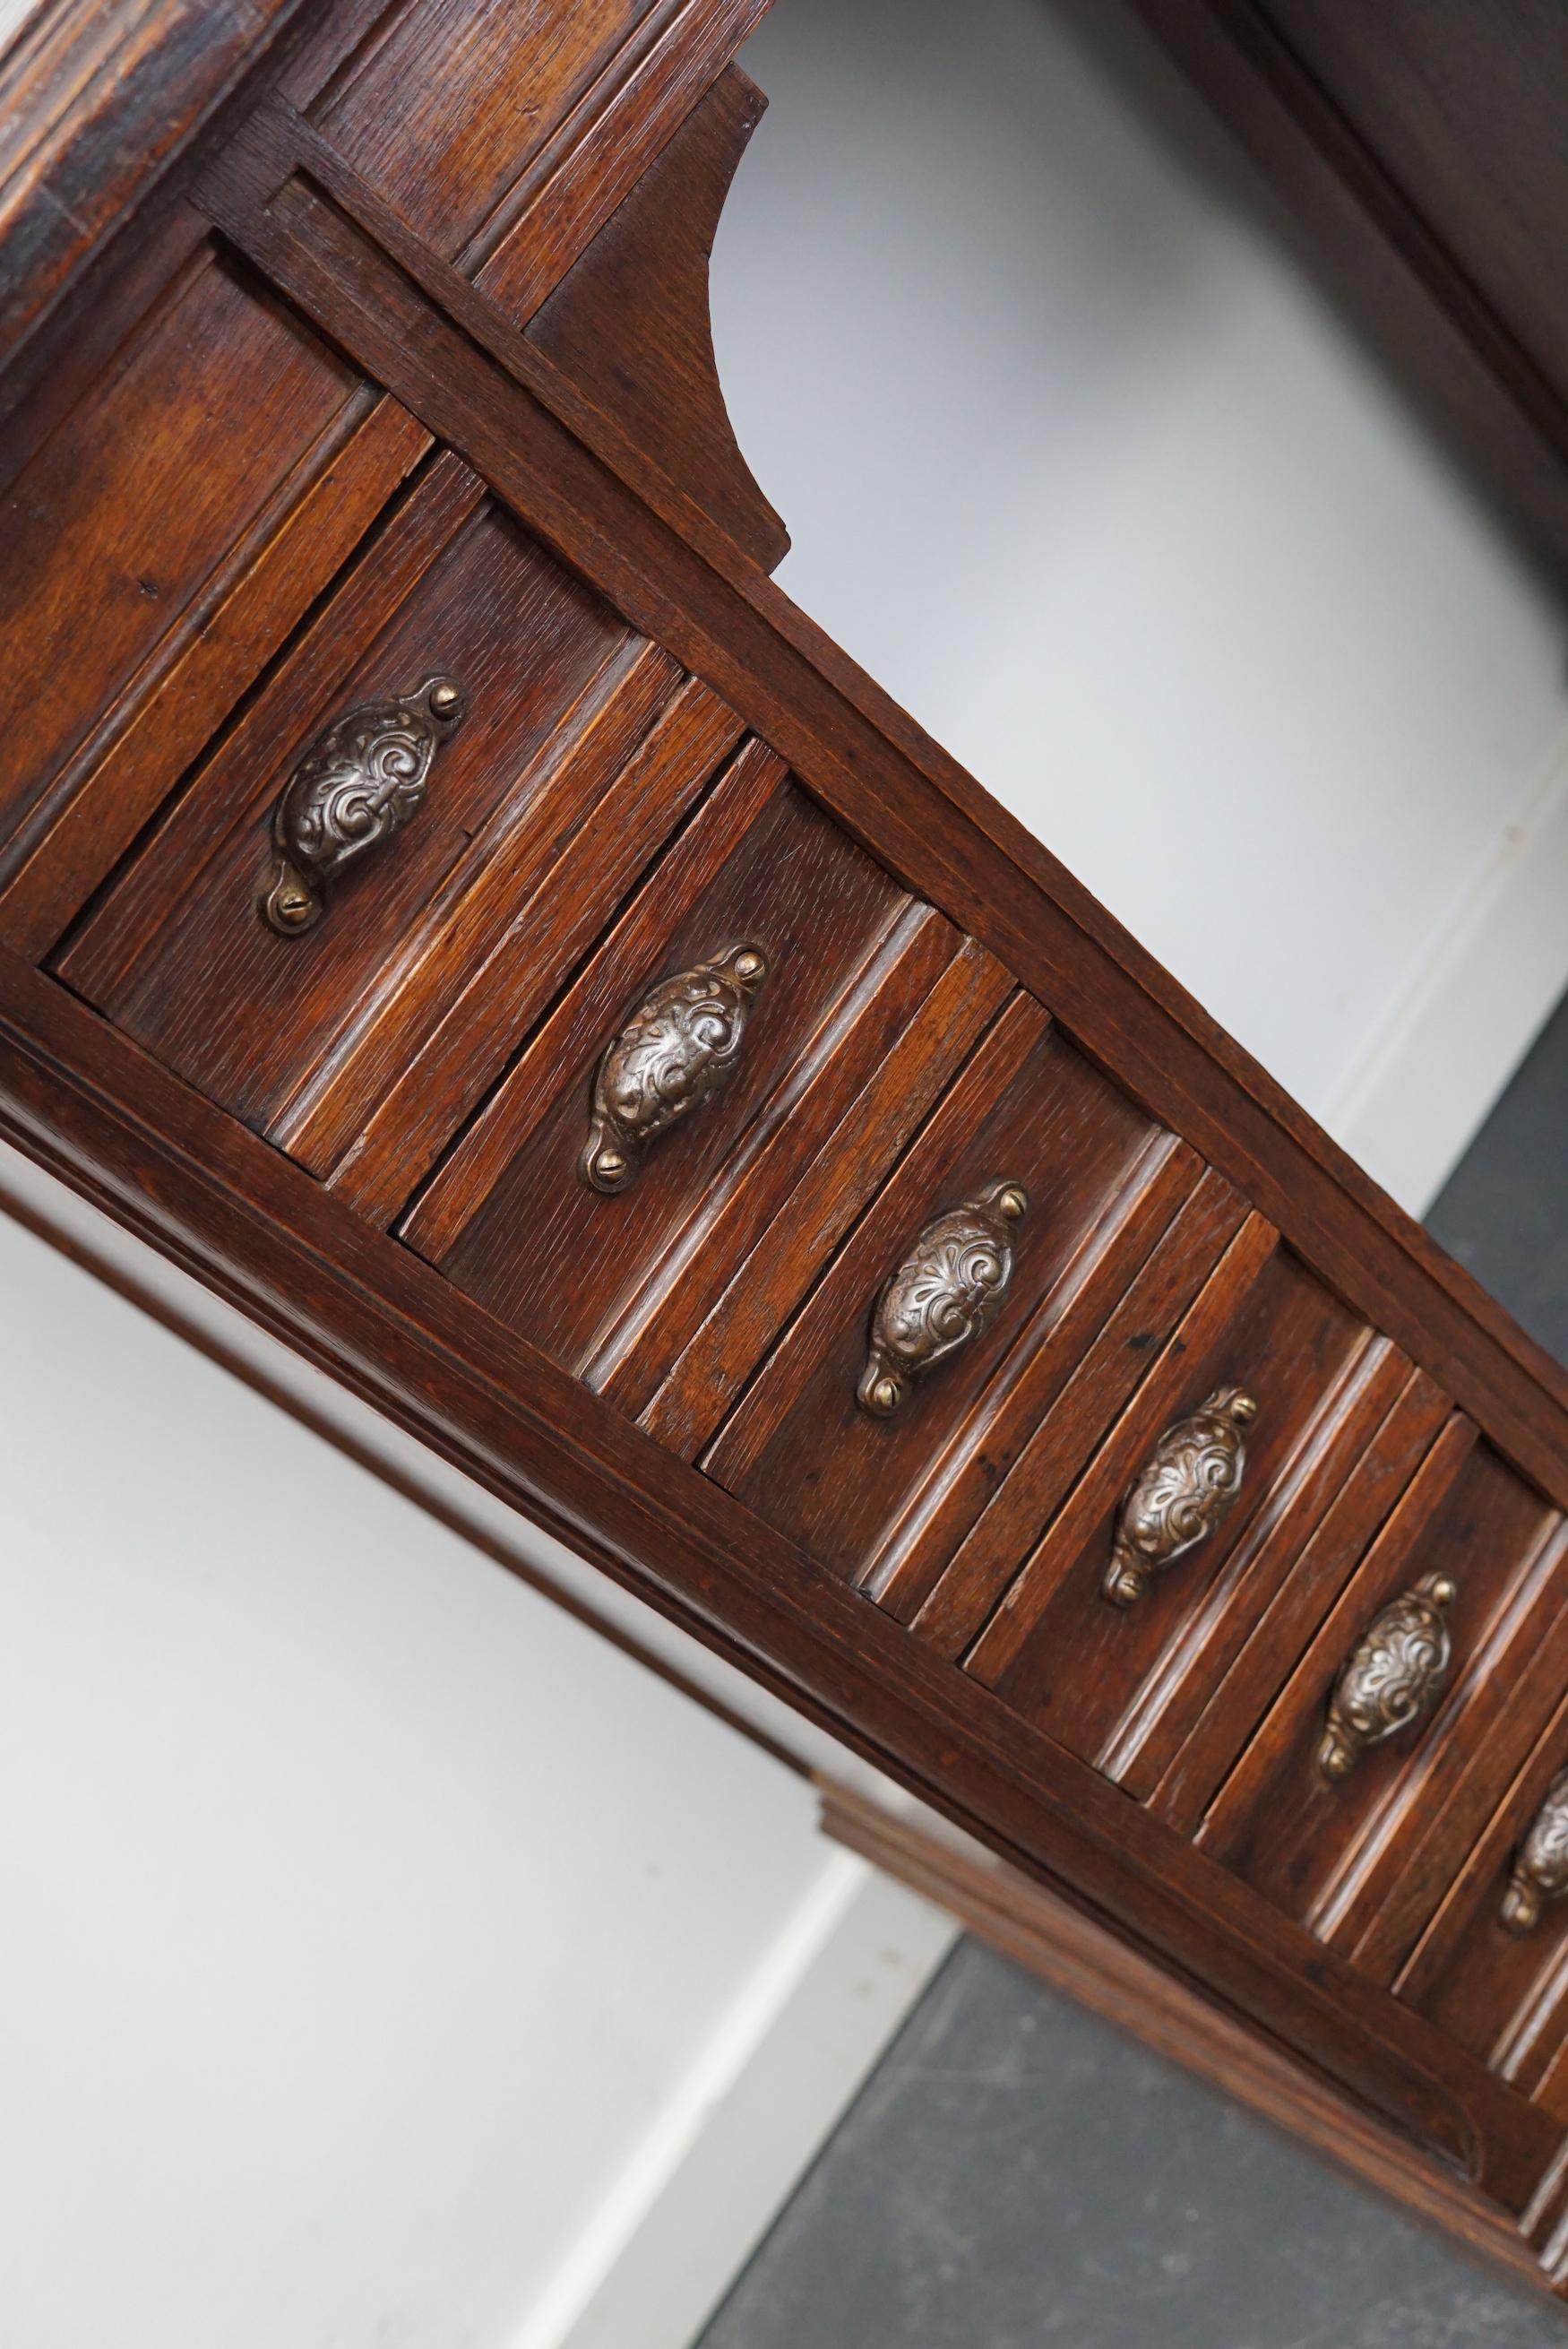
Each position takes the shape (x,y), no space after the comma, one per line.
(629,321)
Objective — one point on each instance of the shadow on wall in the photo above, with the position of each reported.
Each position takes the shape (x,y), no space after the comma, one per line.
(1078,463)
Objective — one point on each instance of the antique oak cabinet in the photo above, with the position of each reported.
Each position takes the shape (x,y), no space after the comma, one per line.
(451,902)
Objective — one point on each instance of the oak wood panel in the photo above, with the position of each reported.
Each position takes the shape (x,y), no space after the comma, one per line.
(269,582)
(611,1286)
(97,100)
(178,953)
(532,850)
(269,589)
(826,1195)
(1056,1445)
(1510,1686)
(629,322)
(1500,1994)
(197,1183)
(1027,1109)
(1293,1611)
(920,1545)
(123,526)
(1154,1723)
(1365,1861)
(1099,1677)
(630,793)
(582,176)
(428,111)
(936,827)
(915,1007)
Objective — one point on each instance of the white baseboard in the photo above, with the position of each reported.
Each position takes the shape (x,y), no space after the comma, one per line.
(680,2223)
(1419,1094)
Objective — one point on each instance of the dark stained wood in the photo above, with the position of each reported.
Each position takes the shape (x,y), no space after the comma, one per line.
(1111,1682)
(108,797)
(97,98)
(178,953)
(598,156)
(800,1448)
(914,1006)
(1380,1910)
(427,110)
(629,322)
(1057,1441)
(289,554)
(633,792)
(962,850)
(404,368)
(195,1182)
(924,1053)
(1365,1862)
(121,527)
(1292,1612)
(1503,1994)
(614,1287)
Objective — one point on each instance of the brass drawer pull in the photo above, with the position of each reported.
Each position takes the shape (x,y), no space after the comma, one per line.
(1390,1676)
(949,1288)
(358,784)
(1540,1864)
(1184,1488)
(676,1050)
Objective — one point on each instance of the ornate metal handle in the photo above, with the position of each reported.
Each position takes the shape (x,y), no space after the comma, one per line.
(677,1049)
(358,784)
(948,1289)
(1390,1676)
(1541,1863)
(1184,1488)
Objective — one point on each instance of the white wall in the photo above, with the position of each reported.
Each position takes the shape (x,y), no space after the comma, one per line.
(1081,469)
(347,1959)
(377,1943)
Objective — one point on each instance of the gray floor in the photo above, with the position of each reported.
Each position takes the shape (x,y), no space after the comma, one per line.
(1016,2174)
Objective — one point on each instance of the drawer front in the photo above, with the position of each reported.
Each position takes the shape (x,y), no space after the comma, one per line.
(223,413)
(807,1448)
(576,748)
(1491,1969)
(1121,1609)
(1367,1784)
(630,1196)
